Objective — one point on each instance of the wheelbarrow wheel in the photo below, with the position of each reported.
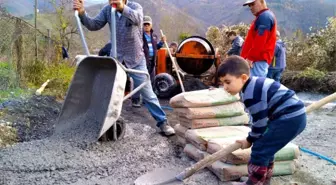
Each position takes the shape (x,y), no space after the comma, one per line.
(163,85)
(109,134)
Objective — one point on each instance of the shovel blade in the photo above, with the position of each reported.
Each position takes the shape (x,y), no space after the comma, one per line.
(160,176)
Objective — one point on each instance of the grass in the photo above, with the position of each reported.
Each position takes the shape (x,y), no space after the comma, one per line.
(14,93)
(8,135)
(312,73)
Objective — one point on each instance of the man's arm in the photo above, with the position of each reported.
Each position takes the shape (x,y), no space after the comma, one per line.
(97,22)
(235,47)
(134,13)
(159,44)
(277,51)
(276,55)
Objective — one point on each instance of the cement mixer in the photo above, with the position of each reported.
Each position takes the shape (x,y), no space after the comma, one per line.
(196,59)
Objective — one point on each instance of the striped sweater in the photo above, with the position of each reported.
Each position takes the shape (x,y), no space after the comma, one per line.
(268,100)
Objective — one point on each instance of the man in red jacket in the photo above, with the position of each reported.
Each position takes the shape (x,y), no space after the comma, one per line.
(259,45)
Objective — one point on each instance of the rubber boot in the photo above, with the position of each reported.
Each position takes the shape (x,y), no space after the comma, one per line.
(257,175)
(269,173)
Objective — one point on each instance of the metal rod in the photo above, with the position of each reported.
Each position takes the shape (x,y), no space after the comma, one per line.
(141,85)
(113,33)
(81,33)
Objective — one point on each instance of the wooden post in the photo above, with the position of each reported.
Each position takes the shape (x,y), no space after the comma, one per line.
(36,44)
(18,47)
(49,45)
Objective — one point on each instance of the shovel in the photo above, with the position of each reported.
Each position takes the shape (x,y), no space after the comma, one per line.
(174,64)
(170,176)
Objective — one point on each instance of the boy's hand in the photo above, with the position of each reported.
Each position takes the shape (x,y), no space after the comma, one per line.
(212,88)
(79,5)
(244,144)
(120,4)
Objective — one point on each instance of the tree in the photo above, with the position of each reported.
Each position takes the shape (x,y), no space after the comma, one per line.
(183,36)
(2,8)
(63,25)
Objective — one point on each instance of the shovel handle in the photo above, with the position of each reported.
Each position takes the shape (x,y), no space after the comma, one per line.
(208,160)
(174,63)
(320,103)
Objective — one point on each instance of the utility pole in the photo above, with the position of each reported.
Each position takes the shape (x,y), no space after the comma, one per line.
(36,46)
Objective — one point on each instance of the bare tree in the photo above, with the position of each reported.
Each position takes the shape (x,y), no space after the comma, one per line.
(64,26)
(2,8)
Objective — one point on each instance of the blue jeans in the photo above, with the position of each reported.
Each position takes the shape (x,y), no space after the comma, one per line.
(148,96)
(151,76)
(275,74)
(260,69)
(280,132)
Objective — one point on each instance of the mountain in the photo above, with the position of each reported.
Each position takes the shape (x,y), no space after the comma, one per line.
(22,8)
(291,14)
(195,16)
(173,21)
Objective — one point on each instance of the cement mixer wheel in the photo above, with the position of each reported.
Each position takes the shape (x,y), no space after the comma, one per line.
(121,129)
(163,85)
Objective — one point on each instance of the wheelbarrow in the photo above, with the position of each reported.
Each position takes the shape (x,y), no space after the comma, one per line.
(95,97)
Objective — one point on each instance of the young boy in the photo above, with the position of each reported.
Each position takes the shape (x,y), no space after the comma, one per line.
(278,115)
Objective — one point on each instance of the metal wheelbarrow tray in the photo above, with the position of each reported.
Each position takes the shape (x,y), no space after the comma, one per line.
(95,97)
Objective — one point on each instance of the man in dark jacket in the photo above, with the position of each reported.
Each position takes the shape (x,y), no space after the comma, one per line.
(150,47)
(105,51)
(236,43)
(278,64)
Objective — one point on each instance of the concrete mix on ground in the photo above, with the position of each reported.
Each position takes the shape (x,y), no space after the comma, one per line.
(143,149)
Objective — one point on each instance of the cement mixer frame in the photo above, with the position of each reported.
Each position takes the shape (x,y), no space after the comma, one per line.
(196,59)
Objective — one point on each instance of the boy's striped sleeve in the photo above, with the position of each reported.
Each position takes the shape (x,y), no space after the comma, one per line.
(260,91)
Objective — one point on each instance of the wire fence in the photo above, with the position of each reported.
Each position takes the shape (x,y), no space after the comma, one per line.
(22,45)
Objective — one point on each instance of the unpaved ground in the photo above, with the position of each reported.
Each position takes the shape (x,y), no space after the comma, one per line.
(143,149)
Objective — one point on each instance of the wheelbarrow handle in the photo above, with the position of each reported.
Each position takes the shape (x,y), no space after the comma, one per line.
(81,33)
(113,36)
(135,72)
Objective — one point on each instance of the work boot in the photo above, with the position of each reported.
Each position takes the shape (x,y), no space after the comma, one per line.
(167,129)
(257,175)
(136,102)
(269,173)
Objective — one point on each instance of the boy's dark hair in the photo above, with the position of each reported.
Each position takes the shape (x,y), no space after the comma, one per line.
(233,65)
(229,33)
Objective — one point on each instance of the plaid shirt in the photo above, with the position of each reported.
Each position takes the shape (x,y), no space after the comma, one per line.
(128,28)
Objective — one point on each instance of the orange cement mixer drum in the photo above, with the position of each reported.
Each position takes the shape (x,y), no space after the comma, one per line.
(195,55)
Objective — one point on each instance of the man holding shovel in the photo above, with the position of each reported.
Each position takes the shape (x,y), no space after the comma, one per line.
(129,22)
